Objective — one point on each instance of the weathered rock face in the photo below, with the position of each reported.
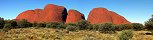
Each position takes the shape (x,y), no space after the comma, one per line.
(117,19)
(102,15)
(74,16)
(54,13)
(51,13)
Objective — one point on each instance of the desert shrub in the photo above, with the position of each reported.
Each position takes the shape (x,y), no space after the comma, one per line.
(126,35)
(123,27)
(120,27)
(23,23)
(12,22)
(71,24)
(7,27)
(137,26)
(82,24)
(34,24)
(40,24)
(1,23)
(106,28)
(128,26)
(89,27)
(71,28)
(95,27)
(55,25)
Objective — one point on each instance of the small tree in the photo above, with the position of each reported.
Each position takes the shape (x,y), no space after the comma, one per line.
(23,23)
(151,19)
(137,26)
(1,23)
(149,23)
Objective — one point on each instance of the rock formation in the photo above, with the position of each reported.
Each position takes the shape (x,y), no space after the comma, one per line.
(55,13)
(117,19)
(74,16)
(51,13)
(102,15)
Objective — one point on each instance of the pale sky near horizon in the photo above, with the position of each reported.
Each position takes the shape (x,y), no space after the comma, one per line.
(137,11)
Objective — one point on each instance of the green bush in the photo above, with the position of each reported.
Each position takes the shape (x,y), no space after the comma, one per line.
(12,22)
(71,24)
(1,23)
(82,24)
(7,27)
(126,35)
(90,27)
(55,25)
(95,27)
(137,26)
(40,24)
(123,27)
(107,28)
(71,28)
(34,24)
(23,23)
(120,27)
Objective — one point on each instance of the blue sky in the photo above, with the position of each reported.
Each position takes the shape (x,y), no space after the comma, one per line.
(133,10)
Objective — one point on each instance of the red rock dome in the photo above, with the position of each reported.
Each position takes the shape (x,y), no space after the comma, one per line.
(102,15)
(51,13)
(55,13)
(74,16)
